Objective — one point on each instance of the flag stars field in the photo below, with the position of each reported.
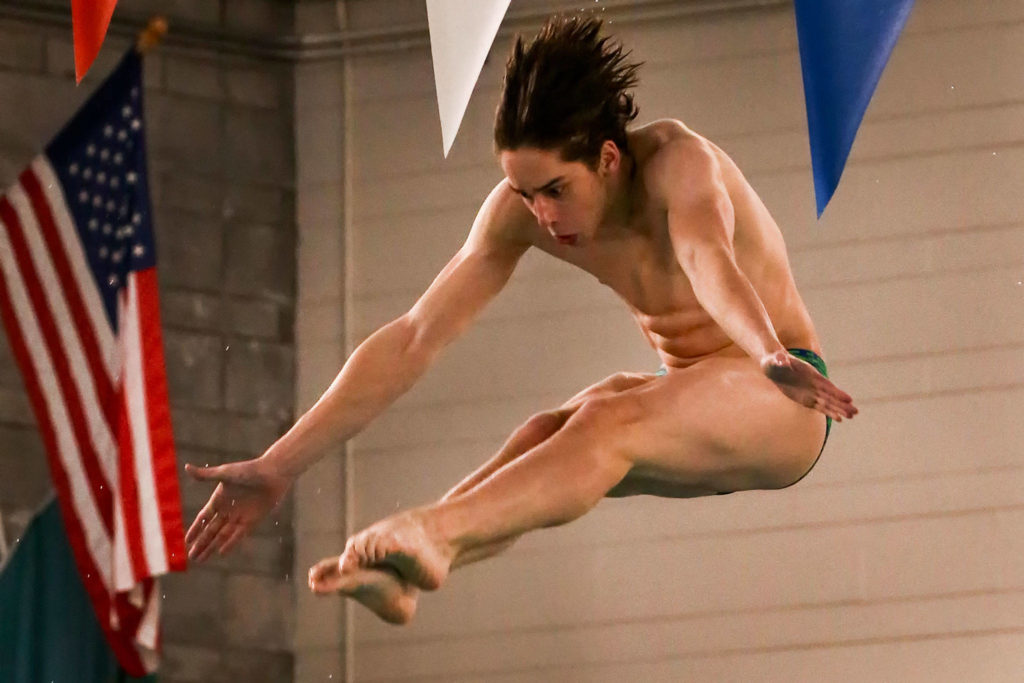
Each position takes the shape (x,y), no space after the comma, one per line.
(100,173)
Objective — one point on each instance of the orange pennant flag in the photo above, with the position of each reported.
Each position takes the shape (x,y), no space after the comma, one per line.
(90,20)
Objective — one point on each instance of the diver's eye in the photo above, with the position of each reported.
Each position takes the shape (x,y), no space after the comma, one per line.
(554,192)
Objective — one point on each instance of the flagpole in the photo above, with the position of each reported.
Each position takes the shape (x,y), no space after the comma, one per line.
(3,541)
(152,35)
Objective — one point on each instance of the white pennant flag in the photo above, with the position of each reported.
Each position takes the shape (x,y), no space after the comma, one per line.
(461,33)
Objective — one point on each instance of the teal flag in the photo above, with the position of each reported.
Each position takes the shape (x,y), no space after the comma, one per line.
(48,629)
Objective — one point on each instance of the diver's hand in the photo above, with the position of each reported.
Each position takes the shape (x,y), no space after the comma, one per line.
(802,382)
(246,491)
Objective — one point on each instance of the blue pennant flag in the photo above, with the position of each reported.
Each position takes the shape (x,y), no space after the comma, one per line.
(844,46)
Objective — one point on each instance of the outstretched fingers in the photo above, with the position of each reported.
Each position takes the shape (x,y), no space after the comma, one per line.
(199,534)
(829,409)
(831,400)
(202,544)
(199,523)
(841,399)
(223,535)
(837,409)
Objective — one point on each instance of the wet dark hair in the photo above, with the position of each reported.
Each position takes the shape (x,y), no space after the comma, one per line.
(566,90)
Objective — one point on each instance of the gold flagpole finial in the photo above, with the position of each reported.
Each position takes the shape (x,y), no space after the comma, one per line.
(151,36)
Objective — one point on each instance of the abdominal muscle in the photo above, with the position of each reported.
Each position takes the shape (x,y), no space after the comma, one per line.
(689,335)
(684,333)
(682,345)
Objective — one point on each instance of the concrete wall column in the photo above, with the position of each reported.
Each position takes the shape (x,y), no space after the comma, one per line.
(319,495)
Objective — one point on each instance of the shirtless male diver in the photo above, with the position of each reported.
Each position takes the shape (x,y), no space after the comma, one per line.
(660,215)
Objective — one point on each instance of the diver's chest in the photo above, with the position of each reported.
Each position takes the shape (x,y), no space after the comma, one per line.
(650,284)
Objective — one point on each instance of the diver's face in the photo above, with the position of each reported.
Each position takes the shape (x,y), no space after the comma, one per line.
(567,197)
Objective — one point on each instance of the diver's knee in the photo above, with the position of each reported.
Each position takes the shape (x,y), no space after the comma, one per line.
(548,422)
(606,415)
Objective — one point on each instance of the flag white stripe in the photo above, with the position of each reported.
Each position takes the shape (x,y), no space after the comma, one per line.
(148,634)
(124,575)
(96,539)
(138,421)
(79,265)
(96,422)
(124,572)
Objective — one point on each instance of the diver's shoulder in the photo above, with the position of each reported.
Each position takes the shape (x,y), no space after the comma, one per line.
(650,138)
(671,155)
(666,143)
(504,217)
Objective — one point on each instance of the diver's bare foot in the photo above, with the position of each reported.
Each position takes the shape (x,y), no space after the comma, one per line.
(405,542)
(379,589)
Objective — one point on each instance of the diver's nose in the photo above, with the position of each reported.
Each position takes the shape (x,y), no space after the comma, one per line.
(546,215)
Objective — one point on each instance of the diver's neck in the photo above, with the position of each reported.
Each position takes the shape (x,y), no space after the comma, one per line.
(623,201)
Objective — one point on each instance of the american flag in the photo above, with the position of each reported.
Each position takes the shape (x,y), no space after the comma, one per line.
(78,296)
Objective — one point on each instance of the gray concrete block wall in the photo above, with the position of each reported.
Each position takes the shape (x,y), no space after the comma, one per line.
(220,140)
(24,477)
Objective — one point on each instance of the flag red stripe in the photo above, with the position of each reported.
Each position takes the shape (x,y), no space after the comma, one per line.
(72,293)
(165,472)
(91,577)
(129,490)
(128,614)
(99,488)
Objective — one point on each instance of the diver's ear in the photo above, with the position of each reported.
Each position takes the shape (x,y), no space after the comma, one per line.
(609,158)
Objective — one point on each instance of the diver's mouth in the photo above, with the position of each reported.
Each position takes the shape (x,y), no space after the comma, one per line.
(567,239)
